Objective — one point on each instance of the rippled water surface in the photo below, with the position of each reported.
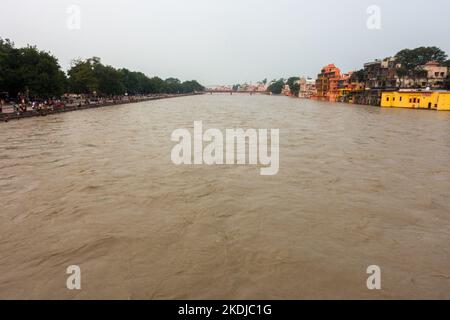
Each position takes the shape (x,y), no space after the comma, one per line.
(357,186)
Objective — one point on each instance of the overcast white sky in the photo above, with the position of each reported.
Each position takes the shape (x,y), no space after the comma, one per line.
(227,41)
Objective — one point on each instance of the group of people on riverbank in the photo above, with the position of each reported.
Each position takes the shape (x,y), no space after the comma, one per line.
(23,107)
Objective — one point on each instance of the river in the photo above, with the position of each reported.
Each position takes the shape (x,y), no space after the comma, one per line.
(357,186)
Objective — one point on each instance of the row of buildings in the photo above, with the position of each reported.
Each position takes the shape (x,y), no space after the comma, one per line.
(259,87)
(381,83)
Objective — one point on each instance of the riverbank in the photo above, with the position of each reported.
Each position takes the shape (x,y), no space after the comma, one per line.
(17,115)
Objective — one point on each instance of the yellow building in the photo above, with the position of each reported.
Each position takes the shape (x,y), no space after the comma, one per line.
(434,100)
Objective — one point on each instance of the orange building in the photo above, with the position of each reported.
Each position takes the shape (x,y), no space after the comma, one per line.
(327,83)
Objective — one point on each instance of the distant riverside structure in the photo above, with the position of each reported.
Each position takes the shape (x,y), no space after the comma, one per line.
(286,91)
(250,87)
(260,87)
(407,80)
(245,88)
(378,81)
(307,88)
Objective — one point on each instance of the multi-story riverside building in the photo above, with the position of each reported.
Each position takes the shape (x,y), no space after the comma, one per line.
(307,87)
(327,83)
(433,75)
(382,74)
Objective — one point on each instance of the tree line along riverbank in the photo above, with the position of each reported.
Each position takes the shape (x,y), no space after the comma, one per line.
(29,74)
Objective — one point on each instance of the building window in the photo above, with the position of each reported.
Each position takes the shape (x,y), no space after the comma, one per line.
(387,99)
(410,100)
(418,100)
(414,100)
(401,98)
(393,99)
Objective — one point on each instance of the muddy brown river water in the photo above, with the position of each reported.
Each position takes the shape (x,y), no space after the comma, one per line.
(357,186)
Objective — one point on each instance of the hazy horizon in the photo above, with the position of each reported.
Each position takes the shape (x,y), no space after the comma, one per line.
(225,42)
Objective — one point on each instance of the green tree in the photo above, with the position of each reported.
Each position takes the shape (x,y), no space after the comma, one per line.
(411,59)
(9,64)
(41,73)
(357,76)
(276,86)
(447,80)
(173,85)
(294,86)
(109,81)
(30,71)
(191,86)
(157,85)
(82,76)
(134,82)
(38,73)
(91,76)
(402,73)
